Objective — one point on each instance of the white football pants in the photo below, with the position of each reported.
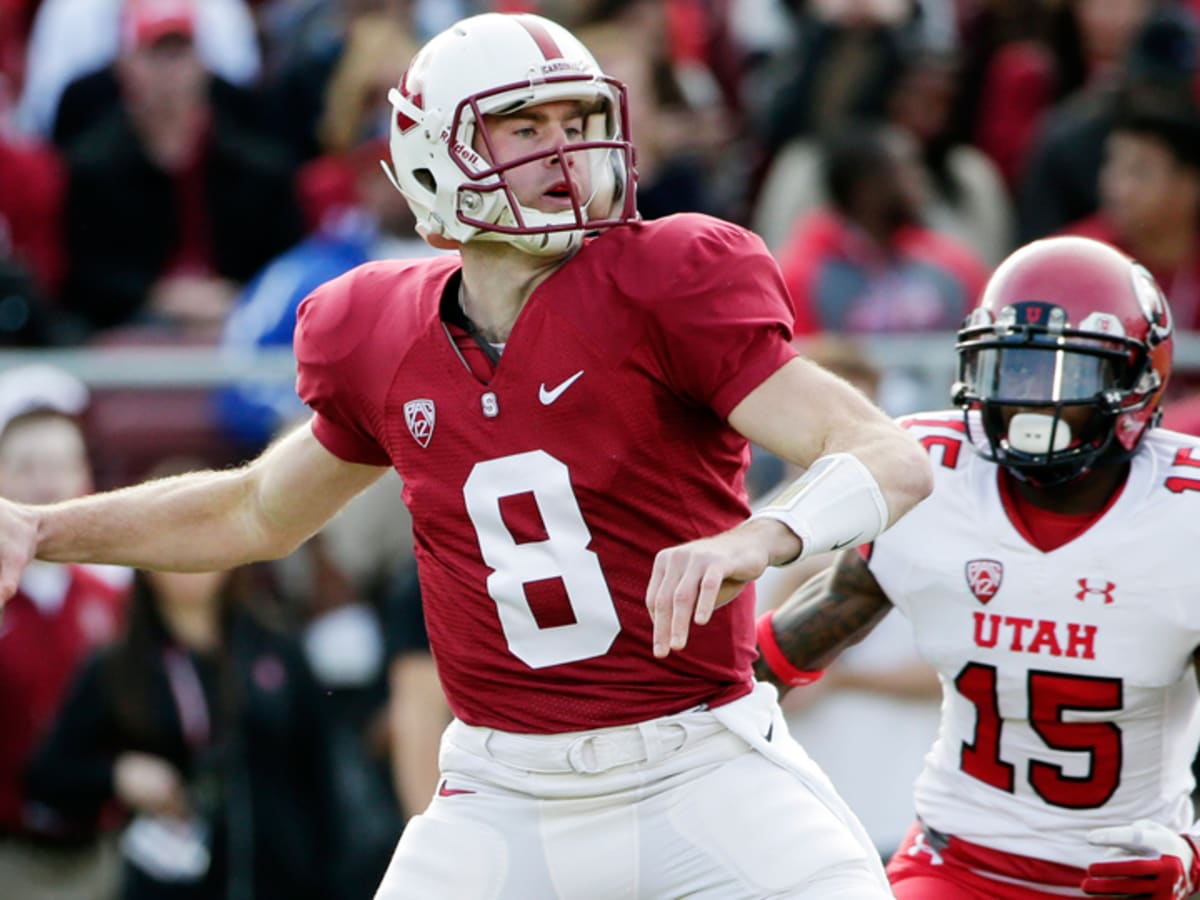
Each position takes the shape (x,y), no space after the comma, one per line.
(708,804)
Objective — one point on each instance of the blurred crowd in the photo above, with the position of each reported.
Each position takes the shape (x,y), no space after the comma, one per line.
(184,172)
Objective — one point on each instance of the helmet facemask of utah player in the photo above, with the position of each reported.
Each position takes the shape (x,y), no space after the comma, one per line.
(444,159)
(1063,365)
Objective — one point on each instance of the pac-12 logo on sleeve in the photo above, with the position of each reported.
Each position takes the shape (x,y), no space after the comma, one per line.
(984,577)
(420,416)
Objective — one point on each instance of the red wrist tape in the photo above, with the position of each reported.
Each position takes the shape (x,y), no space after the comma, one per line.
(775,659)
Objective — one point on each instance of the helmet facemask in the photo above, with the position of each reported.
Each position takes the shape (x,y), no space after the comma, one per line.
(485,200)
(1046,401)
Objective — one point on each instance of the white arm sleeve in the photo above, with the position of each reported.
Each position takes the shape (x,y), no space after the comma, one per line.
(836,503)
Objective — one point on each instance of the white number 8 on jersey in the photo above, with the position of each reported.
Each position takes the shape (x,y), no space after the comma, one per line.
(564,554)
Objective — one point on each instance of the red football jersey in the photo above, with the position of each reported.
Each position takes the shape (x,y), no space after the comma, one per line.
(540,497)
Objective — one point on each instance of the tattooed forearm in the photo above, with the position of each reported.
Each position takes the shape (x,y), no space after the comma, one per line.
(831,611)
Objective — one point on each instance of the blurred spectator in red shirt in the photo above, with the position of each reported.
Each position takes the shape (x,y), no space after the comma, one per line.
(57,617)
(865,263)
(965,196)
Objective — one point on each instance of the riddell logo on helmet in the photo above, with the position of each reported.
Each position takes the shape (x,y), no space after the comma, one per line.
(467,155)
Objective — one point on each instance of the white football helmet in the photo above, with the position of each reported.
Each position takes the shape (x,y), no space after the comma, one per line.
(497,64)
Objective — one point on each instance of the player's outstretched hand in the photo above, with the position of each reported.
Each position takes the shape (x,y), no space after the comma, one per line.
(690,580)
(18,538)
(1145,859)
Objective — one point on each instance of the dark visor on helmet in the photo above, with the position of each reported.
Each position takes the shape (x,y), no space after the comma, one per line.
(1038,375)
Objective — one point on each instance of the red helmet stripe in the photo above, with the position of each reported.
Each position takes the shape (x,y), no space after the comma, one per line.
(405,122)
(540,36)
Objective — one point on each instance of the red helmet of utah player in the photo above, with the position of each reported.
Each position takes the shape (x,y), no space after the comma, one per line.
(1063,365)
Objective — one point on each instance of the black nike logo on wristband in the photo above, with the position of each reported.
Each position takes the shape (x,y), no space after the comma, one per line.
(847,542)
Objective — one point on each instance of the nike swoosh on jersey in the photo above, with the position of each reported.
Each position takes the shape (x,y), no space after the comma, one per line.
(548,396)
(444,791)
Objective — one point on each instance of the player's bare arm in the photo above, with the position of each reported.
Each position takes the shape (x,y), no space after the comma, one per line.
(831,611)
(201,521)
(803,414)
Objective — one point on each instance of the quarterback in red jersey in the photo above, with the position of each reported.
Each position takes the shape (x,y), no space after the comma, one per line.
(569,401)
(1049,580)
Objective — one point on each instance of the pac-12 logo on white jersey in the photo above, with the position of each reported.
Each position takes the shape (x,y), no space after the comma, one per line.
(984,577)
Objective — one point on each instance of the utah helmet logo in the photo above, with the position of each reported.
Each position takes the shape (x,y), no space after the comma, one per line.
(984,577)
(420,416)
(1153,303)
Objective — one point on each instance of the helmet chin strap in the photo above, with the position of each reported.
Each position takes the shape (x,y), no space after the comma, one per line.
(1038,433)
(550,243)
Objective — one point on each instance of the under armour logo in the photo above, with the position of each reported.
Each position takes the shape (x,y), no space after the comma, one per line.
(921,845)
(1102,588)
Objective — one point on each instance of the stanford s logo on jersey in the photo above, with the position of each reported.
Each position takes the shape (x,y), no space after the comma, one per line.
(419,414)
(983,578)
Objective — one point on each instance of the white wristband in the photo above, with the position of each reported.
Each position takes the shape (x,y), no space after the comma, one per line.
(836,503)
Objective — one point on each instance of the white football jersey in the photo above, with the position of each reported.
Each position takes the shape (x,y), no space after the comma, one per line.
(1069,697)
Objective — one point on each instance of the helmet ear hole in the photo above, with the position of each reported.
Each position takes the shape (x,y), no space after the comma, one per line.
(425,179)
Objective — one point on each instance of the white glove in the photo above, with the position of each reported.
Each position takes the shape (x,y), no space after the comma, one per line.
(1145,859)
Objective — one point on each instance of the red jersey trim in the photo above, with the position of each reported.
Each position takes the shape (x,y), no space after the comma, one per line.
(925,847)
(1042,528)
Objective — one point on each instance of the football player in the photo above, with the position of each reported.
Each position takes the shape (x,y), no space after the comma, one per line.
(568,400)
(1048,580)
